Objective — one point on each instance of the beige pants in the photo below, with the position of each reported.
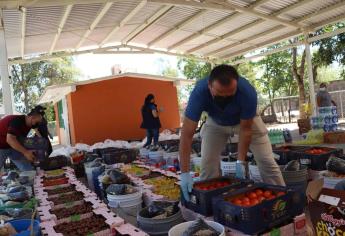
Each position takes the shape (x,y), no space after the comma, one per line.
(214,137)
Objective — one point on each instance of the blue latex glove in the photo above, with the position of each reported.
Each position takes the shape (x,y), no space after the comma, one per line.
(240,170)
(186,185)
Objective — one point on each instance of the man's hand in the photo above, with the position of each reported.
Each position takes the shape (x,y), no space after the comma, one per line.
(241,169)
(29,155)
(186,185)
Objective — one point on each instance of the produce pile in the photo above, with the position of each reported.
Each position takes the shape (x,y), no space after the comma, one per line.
(200,228)
(254,197)
(165,186)
(83,227)
(135,170)
(74,210)
(65,198)
(70,188)
(212,185)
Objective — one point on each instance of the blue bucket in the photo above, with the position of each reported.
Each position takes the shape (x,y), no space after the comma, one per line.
(22,227)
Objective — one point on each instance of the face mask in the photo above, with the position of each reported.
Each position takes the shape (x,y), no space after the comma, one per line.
(222,101)
(322,89)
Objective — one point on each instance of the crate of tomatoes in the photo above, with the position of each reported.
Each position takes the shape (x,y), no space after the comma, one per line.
(203,192)
(288,153)
(257,208)
(316,157)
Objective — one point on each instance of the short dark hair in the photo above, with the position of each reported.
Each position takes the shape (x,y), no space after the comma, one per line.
(323,85)
(223,74)
(37,110)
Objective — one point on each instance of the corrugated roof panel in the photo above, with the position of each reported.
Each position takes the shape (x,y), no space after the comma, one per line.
(308,8)
(12,22)
(172,39)
(254,30)
(275,5)
(241,3)
(32,47)
(43,20)
(117,12)
(231,25)
(13,49)
(68,40)
(123,32)
(207,19)
(176,16)
(82,16)
(234,49)
(97,36)
(150,33)
(326,16)
(214,46)
(145,13)
(194,43)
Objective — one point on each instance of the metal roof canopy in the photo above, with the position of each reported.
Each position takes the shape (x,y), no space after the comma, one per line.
(205,29)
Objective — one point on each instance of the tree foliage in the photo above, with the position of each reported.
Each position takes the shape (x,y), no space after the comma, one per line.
(29,80)
(194,69)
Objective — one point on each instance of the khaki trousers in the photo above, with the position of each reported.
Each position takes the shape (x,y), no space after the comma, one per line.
(214,137)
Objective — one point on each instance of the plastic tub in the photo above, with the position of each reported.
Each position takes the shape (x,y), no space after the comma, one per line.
(158,227)
(22,226)
(178,230)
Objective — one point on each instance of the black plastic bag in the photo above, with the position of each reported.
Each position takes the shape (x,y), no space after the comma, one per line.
(95,163)
(117,177)
(162,209)
(336,165)
(117,189)
(200,228)
(292,166)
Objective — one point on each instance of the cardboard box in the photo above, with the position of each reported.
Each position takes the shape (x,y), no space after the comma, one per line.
(327,209)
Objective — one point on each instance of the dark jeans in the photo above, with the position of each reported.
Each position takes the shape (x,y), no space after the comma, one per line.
(152,134)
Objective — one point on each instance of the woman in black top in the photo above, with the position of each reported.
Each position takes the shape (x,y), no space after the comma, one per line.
(151,120)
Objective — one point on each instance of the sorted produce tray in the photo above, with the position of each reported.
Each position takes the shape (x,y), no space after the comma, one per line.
(316,160)
(203,192)
(288,153)
(253,214)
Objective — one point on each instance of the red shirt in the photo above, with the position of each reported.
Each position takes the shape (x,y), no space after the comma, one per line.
(12,124)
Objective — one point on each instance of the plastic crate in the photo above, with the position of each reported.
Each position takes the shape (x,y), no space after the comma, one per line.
(119,156)
(318,161)
(288,153)
(260,217)
(201,200)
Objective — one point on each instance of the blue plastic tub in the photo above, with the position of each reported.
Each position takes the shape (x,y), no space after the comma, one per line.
(22,226)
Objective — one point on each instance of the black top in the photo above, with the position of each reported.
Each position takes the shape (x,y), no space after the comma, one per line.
(43,128)
(149,121)
(15,125)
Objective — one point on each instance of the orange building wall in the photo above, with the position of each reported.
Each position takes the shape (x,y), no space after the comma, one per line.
(111,109)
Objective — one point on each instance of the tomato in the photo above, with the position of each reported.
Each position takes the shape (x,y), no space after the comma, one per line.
(252,195)
(238,202)
(246,204)
(271,197)
(267,193)
(261,198)
(254,202)
(259,192)
(280,194)
(245,199)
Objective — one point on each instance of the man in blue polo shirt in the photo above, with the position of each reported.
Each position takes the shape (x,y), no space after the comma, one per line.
(231,104)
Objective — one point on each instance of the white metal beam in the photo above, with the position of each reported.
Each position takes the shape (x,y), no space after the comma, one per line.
(4,74)
(160,13)
(177,27)
(23,29)
(60,27)
(94,23)
(123,21)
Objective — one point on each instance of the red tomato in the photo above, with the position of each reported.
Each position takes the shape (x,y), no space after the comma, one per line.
(254,202)
(259,192)
(252,195)
(245,199)
(280,194)
(238,202)
(271,197)
(246,204)
(267,193)
(261,198)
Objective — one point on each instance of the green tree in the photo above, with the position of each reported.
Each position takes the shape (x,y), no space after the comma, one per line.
(29,80)
(194,69)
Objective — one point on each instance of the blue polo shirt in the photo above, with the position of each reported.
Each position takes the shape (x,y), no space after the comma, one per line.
(242,106)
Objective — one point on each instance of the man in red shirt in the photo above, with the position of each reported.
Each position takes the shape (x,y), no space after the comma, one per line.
(14,127)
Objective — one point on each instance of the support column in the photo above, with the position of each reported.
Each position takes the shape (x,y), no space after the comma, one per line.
(4,75)
(310,75)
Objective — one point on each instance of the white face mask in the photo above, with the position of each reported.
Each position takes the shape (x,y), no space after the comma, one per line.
(322,89)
